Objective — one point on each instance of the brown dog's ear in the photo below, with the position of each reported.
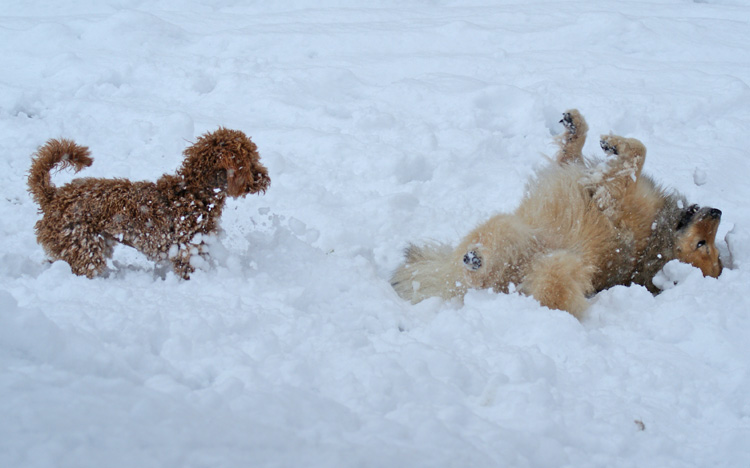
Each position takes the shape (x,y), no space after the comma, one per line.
(235,175)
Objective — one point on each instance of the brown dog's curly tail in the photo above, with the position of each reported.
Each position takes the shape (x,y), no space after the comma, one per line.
(65,153)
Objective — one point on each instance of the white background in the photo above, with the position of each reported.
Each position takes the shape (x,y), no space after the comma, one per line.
(382,124)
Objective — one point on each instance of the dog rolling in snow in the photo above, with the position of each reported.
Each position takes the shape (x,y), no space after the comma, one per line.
(582,227)
(165,220)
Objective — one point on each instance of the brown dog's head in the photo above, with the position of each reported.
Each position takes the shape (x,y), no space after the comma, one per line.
(696,233)
(230,156)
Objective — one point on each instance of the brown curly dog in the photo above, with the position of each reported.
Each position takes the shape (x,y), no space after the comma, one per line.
(165,220)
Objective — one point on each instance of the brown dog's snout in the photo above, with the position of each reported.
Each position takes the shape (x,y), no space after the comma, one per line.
(715,213)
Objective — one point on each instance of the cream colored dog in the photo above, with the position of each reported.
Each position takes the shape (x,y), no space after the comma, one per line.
(583,226)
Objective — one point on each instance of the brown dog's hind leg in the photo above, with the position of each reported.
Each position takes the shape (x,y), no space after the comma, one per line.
(84,251)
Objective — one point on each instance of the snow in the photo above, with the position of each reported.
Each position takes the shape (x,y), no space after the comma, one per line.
(380,125)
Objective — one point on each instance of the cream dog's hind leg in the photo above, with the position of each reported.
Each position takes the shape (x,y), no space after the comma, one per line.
(571,141)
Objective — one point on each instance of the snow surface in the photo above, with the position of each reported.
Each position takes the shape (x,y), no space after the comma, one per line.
(381,124)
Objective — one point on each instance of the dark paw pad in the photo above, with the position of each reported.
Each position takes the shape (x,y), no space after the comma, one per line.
(472,260)
(568,123)
(607,147)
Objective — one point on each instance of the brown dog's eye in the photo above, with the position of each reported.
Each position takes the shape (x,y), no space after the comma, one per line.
(700,244)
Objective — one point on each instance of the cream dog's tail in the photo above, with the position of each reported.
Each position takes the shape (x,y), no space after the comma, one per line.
(429,271)
(65,153)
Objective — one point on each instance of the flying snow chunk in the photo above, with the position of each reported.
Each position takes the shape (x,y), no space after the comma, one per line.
(699,176)
(673,273)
